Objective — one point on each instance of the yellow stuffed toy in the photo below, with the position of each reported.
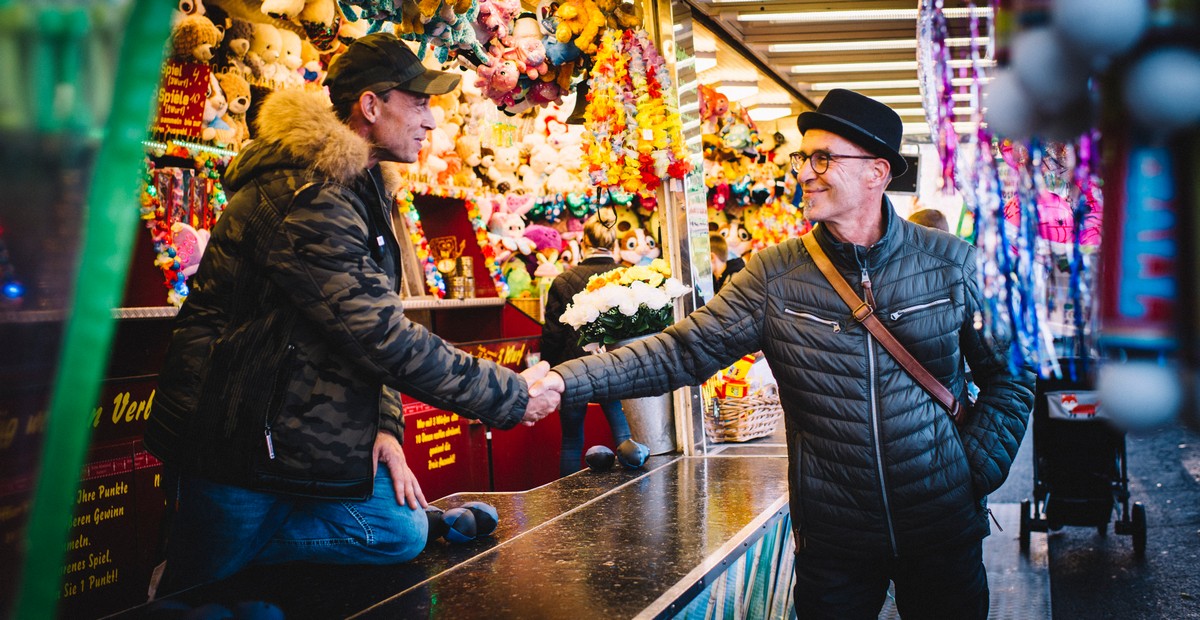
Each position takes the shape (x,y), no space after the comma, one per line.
(581,21)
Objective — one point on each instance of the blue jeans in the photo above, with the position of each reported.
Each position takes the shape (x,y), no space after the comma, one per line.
(571,460)
(219,529)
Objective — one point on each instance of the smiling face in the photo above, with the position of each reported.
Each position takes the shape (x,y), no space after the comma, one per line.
(847,194)
(399,123)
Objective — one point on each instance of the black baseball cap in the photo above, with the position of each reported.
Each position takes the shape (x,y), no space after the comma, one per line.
(380,62)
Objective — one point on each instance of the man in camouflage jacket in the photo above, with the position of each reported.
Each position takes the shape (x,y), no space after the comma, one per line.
(277,402)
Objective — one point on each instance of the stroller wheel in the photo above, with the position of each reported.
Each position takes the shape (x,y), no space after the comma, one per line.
(1139,529)
(1026,517)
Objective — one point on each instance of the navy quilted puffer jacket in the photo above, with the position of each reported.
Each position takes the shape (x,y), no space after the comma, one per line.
(877,468)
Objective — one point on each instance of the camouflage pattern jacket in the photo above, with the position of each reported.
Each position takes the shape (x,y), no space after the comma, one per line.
(277,376)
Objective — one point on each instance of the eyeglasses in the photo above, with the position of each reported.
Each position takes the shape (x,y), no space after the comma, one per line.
(820,160)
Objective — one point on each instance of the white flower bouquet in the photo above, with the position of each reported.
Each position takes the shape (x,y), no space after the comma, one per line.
(624,303)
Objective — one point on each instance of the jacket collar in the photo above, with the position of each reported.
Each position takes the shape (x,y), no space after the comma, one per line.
(856,257)
(297,129)
(601,259)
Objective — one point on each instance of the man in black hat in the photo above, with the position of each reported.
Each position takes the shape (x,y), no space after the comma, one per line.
(277,412)
(883,484)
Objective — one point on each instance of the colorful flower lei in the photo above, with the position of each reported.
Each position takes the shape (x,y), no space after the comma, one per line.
(636,138)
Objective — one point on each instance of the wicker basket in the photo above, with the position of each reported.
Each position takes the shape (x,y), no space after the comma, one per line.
(746,418)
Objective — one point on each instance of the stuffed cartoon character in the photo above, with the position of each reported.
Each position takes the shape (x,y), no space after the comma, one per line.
(237,97)
(506,232)
(499,82)
(195,39)
(580,21)
(636,247)
(185,8)
(737,237)
(216,127)
(547,244)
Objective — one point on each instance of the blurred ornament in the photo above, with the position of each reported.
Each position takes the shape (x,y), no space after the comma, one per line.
(1049,72)
(1100,30)
(1009,114)
(1140,395)
(1162,91)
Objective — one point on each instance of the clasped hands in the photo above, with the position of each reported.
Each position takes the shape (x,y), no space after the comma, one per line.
(545,392)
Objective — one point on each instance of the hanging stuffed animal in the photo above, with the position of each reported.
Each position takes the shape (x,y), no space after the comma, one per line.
(195,39)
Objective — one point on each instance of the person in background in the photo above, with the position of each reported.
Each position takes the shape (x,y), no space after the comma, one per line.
(884,485)
(277,413)
(723,266)
(560,342)
(930,218)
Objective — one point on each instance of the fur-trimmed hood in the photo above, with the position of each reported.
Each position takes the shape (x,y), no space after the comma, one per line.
(297,129)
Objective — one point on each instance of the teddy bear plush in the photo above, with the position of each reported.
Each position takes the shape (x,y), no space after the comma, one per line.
(231,53)
(264,53)
(580,21)
(237,97)
(502,174)
(195,39)
(290,60)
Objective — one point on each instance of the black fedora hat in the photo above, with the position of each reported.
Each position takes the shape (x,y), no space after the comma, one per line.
(861,120)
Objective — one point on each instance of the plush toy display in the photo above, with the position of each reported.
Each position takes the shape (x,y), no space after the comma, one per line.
(502,173)
(237,97)
(216,127)
(265,49)
(290,60)
(194,39)
(580,21)
(494,19)
(231,53)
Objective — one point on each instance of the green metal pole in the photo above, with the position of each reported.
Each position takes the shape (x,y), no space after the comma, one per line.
(107,242)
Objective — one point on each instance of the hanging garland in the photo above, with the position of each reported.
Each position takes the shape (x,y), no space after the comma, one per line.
(416,234)
(433,278)
(178,229)
(635,142)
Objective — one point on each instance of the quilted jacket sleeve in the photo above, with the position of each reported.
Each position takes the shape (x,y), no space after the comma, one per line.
(323,262)
(686,353)
(993,433)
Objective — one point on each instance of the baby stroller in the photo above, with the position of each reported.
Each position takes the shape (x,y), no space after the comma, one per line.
(1079,469)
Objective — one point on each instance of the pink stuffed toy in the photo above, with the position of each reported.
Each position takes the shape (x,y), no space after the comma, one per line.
(498,81)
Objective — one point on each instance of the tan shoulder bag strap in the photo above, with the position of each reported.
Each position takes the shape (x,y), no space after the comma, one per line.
(865,314)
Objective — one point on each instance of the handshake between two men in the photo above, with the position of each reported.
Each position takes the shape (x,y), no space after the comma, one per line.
(545,392)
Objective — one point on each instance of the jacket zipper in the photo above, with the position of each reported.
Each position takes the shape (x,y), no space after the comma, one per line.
(287,359)
(903,311)
(837,327)
(876,423)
